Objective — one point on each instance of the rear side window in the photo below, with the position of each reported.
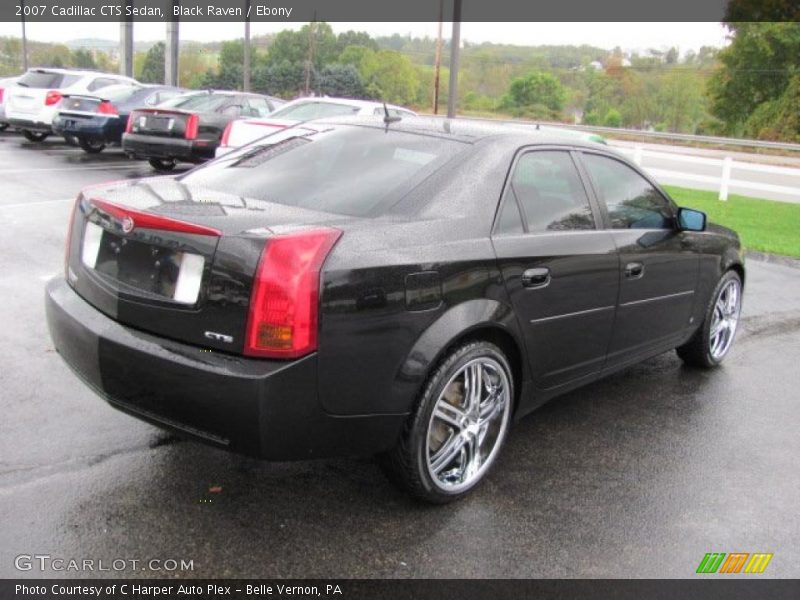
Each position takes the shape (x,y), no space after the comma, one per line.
(314,110)
(549,192)
(42,79)
(632,202)
(101,82)
(356,171)
(200,102)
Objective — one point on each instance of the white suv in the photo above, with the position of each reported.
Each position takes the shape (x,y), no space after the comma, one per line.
(32,103)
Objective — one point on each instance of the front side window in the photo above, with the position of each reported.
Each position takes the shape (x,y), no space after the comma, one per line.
(632,202)
(548,189)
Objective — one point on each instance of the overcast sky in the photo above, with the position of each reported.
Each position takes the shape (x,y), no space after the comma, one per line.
(629,36)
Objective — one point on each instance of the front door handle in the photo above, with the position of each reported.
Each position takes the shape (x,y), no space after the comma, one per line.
(634,270)
(536,278)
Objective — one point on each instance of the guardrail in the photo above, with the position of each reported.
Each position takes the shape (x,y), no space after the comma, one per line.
(724,181)
(680,137)
(656,135)
(727,165)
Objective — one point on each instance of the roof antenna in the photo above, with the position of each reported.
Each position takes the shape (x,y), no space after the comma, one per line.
(387,118)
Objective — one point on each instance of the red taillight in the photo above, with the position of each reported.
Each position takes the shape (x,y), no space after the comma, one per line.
(226,135)
(2,93)
(52,97)
(129,126)
(106,108)
(151,221)
(192,125)
(284,304)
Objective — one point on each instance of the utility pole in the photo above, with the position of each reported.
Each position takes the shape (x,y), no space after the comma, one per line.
(455,49)
(246,68)
(24,38)
(171,52)
(310,60)
(438,60)
(126,44)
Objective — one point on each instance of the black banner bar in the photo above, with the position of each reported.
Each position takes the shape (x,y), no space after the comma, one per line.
(702,588)
(365,10)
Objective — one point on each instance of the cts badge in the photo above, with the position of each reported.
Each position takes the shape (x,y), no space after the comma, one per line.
(219,337)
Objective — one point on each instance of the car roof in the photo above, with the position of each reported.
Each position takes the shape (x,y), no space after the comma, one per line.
(470,131)
(86,72)
(348,101)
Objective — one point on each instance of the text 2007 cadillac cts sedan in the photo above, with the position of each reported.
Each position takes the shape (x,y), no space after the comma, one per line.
(406,289)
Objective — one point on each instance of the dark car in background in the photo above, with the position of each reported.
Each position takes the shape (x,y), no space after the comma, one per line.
(98,120)
(406,289)
(189,129)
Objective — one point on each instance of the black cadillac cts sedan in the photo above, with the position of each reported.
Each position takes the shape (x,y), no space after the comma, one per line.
(406,289)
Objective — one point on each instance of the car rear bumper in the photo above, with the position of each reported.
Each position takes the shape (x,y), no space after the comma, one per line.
(151,146)
(263,408)
(29,124)
(93,129)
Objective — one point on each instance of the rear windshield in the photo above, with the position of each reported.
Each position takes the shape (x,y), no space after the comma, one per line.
(347,170)
(306,111)
(199,102)
(46,79)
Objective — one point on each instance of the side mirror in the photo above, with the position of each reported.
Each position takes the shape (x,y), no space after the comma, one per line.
(691,220)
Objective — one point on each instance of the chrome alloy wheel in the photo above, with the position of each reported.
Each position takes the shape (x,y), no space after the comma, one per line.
(724,319)
(468,424)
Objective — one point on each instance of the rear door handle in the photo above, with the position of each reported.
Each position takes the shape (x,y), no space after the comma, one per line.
(536,278)
(634,270)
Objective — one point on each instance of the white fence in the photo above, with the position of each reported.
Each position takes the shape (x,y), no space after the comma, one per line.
(729,173)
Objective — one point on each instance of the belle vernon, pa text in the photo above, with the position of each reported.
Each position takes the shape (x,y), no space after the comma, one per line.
(211,589)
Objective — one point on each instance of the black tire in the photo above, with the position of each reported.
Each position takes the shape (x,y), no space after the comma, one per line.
(407,464)
(34,136)
(91,146)
(161,164)
(697,351)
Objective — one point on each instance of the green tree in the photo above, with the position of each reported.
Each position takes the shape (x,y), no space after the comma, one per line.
(756,67)
(355,38)
(613,118)
(83,59)
(777,119)
(339,80)
(293,46)
(153,66)
(389,76)
(537,88)
(283,79)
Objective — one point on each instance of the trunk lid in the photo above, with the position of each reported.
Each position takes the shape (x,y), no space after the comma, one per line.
(77,105)
(172,259)
(171,123)
(244,131)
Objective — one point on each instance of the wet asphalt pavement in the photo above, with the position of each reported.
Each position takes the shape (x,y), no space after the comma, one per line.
(638,475)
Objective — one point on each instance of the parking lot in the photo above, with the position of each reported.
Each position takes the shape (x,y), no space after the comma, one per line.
(638,475)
